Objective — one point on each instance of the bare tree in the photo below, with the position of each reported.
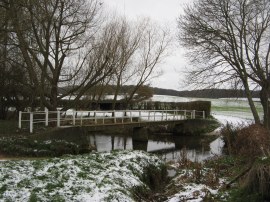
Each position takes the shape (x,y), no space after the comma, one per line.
(153,48)
(59,45)
(229,40)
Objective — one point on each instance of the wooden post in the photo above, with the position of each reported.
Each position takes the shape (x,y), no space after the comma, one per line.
(103,121)
(203,114)
(46,116)
(20,119)
(58,118)
(162,115)
(140,115)
(166,115)
(31,122)
(148,115)
(154,115)
(173,114)
(114,116)
(194,114)
(185,114)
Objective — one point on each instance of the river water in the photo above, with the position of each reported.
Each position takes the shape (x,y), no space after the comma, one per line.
(168,146)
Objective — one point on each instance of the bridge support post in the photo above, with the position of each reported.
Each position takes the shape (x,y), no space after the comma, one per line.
(140,138)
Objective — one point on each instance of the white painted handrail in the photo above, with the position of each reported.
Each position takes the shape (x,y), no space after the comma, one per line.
(62,119)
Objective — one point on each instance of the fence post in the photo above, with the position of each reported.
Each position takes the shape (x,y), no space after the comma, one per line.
(194,114)
(185,114)
(140,115)
(166,115)
(58,118)
(46,116)
(173,114)
(162,115)
(154,115)
(31,122)
(103,118)
(149,115)
(203,114)
(20,119)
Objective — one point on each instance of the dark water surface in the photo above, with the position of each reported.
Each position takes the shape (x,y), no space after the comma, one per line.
(168,146)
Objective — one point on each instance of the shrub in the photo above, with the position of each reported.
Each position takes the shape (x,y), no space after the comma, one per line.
(247,141)
(252,141)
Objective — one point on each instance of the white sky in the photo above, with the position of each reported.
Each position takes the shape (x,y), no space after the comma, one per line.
(164,12)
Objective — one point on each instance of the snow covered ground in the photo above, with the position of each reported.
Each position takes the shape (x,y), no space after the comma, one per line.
(93,178)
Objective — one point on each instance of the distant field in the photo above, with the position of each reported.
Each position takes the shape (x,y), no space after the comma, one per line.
(230,107)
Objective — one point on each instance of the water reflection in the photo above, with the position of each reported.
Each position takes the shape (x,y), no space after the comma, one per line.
(169,147)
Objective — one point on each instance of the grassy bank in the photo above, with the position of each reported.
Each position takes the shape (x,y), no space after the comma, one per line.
(119,175)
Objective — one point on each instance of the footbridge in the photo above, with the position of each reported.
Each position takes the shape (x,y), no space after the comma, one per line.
(131,118)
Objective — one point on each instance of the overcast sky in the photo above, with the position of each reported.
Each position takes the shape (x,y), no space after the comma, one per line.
(164,12)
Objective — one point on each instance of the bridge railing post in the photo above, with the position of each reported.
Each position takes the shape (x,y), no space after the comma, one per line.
(185,114)
(203,114)
(114,118)
(162,115)
(20,120)
(31,122)
(46,116)
(166,115)
(194,114)
(154,115)
(58,118)
(174,115)
(149,115)
(140,116)
(103,118)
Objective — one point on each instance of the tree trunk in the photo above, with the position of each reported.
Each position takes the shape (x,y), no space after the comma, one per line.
(265,105)
(251,104)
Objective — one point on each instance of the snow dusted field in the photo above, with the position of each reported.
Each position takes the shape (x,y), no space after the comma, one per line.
(93,177)
(230,107)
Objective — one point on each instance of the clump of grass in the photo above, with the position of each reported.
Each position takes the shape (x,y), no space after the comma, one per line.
(258,178)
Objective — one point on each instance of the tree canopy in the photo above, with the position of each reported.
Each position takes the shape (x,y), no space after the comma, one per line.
(229,40)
